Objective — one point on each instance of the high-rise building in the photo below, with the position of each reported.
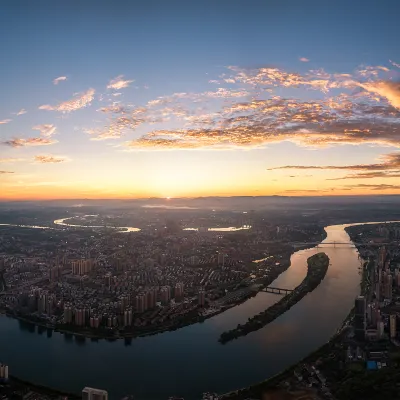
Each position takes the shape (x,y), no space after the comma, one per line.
(392,326)
(127,317)
(369,313)
(388,286)
(382,257)
(179,288)
(151,296)
(89,393)
(194,260)
(3,373)
(202,297)
(67,314)
(141,302)
(360,318)
(381,329)
(165,294)
(82,267)
(378,291)
(80,316)
(374,315)
(221,258)
(42,303)
(55,273)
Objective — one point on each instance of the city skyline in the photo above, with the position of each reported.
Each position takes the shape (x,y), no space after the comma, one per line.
(128,100)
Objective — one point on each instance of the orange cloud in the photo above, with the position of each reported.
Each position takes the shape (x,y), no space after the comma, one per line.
(369,175)
(387,89)
(390,161)
(81,100)
(375,187)
(49,159)
(38,141)
(119,83)
(46,129)
(5,121)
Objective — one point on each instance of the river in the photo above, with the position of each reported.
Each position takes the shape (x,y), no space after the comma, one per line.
(189,361)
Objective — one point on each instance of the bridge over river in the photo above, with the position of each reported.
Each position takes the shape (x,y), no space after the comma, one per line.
(276,290)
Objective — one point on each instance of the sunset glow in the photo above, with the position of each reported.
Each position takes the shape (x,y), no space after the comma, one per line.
(290,121)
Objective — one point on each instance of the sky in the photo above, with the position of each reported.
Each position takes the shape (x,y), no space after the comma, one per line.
(136,99)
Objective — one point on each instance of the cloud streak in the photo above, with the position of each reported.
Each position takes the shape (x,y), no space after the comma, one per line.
(59,79)
(37,141)
(81,100)
(46,159)
(46,130)
(119,83)
(374,187)
(389,162)
(5,121)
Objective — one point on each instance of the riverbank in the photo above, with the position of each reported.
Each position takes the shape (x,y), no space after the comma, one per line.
(256,390)
(21,385)
(317,266)
(116,334)
(198,341)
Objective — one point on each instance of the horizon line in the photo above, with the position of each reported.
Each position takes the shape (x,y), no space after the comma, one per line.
(169,199)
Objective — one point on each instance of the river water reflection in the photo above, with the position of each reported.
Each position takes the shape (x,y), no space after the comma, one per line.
(189,361)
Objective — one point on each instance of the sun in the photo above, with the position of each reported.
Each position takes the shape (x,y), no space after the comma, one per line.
(168,198)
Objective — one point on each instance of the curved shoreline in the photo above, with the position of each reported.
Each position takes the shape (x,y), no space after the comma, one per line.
(257,388)
(118,228)
(275,377)
(317,266)
(94,334)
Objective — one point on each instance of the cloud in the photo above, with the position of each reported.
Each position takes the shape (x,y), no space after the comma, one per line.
(374,187)
(394,64)
(307,190)
(49,159)
(369,175)
(121,120)
(355,114)
(46,130)
(37,141)
(6,172)
(387,89)
(59,79)
(81,100)
(119,83)
(22,111)
(47,107)
(303,59)
(389,162)
(5,121)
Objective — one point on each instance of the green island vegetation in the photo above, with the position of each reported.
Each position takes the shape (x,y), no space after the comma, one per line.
(316,271)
